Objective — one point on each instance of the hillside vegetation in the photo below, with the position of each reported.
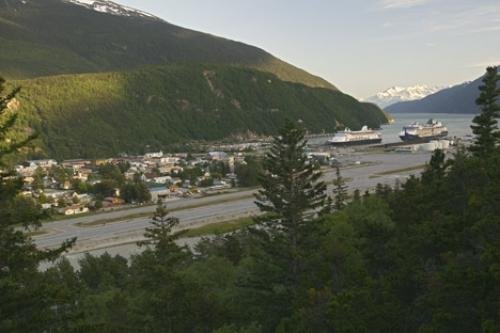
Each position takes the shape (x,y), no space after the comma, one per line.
(49,37)
(99,115)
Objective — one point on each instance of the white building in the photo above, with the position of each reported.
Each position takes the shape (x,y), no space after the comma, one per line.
(154,155)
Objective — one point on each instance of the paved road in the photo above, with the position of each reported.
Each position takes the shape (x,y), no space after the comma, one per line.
(211,209)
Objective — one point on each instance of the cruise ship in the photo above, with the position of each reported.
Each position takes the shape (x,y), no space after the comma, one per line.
(417,132)
(350,138)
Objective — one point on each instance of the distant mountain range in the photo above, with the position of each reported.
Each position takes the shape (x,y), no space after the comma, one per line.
(402,94)
(457,99)
(100,79)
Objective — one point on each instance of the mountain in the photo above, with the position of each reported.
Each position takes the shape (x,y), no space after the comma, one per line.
(99,79)
(110,7)
(161,107)
(457,99)
(400,94)
(50,37)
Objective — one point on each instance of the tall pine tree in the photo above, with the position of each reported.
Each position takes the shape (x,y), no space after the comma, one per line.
(161,234)
(485,128)
(292,192)
(25,303)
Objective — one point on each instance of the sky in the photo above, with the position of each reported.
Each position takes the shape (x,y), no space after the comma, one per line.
(361,46)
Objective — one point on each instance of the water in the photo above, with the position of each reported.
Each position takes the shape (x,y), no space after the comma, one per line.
(458,124)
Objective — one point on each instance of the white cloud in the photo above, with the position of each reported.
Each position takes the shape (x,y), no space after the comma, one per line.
(390,4)
(467,19)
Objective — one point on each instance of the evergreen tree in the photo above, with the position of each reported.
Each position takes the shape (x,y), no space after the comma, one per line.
(26,303)
(436,169)
(163,303)
(339,191)
(161,234)
(356,196)
(291,189)
(8,120)
(291,195)
(485,128)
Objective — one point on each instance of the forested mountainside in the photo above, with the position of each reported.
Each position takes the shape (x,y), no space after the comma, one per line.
(48,37)
(104,114)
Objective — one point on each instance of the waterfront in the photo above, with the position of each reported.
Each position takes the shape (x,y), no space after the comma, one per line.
(458,124)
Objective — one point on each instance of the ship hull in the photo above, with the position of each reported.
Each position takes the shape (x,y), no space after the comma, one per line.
(420,139)
(354,143)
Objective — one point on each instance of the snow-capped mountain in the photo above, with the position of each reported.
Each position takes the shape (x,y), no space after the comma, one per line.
(110,7)
(401,94)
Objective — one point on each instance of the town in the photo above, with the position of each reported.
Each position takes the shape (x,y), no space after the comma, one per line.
(80,186)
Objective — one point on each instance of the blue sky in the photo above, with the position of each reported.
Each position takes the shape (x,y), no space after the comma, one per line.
(362,46)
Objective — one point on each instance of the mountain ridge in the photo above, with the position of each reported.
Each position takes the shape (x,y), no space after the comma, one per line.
(459,99)
(51,37)
(397,94)
(111,7)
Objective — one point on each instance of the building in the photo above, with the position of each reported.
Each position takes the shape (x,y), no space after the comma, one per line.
(164,180)
(217,156)
(74,210)
(154,155)
(76,165)
(160,193)
(112,201)
(28,168)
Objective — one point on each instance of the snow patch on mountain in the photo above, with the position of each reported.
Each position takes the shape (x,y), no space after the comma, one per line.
(402,94)
(110,7)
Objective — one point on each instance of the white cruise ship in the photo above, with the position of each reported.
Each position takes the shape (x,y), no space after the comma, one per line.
(417,132)
(350,138)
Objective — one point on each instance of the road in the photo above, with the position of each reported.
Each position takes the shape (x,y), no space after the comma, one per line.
(224,207)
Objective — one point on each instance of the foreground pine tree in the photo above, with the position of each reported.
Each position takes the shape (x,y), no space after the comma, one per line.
(161,235)
(291,186)
(485,128)
(25,304)
(291,193)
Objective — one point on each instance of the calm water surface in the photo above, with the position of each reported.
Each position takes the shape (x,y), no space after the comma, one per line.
(458,124)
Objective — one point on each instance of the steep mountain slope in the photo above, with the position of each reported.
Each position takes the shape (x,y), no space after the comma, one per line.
(402,94)
(48,37)
(457,99)
(100,115)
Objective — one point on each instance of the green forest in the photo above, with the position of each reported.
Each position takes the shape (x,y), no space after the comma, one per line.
(51,37)
(420,257)
(103,115)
